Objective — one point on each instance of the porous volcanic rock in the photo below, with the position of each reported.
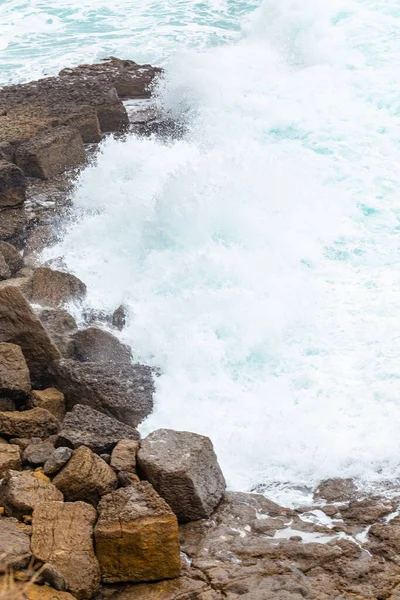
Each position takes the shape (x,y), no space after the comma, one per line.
(53,288)
(37,422)
(15,381)
(21,491)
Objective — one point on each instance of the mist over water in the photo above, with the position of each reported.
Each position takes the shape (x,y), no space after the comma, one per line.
(259,255)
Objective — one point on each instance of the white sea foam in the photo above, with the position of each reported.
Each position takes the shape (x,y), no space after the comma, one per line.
(259,256)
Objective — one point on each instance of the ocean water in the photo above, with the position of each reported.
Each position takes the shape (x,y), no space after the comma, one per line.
(259,256)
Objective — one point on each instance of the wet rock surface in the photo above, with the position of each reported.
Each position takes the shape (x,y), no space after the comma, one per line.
(96,345)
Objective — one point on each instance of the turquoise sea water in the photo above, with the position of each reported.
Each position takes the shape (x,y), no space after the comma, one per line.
(259,256)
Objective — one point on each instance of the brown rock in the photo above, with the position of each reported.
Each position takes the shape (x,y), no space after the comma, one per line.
(12,257)
(123,457)
(126,478)
(96,345)
(7,404)
(366,511)
(183,468)
(62,536)
(54,288)
(5,272)
(20,492)
(37,422)
(59,325)
(50,399)
(183,588)
(10,458)
(336,490)
(12,184)
(14,545)
(15,380)
(50,153)
(37,452)
(136,536)
(19,325)
(12,590)
(85,477)
(41,237)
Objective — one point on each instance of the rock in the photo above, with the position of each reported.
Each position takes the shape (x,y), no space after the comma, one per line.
(20,326)
(57,460)
(15,380)
(123,457)
(51,575)
(5,272)
(20,492)
(183,588)
(37,422)
(336,490)
(184,470)
(119,318)
(12,257)
(127,478)
(10,458)
(7,404)
(85,477)
(50,399)
(22,443)
(50,153)
(62,536)
(14,545)
(106,458)
(12,184)
(54,288)
(41,237)
(38,452)
(136,536)
(96,345)
(367,511)
(84,426)
(124,392)
(59,324)
(10,591)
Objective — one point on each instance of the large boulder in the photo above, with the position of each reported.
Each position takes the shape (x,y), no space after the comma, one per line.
(96,345)
(123,457)
(59,325)
(51,399)
(50,153)
(53,288)
(184,470)
(14,545)
(136,536)
(123,391)
(21,491)
(84,426)
(63,537)
(12,184)
(37,422)
(85,477)
(15,381)
(20,326)
(10,458)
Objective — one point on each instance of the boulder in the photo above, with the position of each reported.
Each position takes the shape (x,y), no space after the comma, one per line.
(62,535)
(19,325)
(96,345)
(57,460)
(37,452)
(12,184)
(5,272)
(20,590)
(85,477)
(123,391)
(12,257)
(136,536)
(53,288)
(123,457)
(10,458)
(14,545)
(118,319)
(41,237)
(59,325)
(50,399)
(15,381)
(21,491)
(336,490)
(183,468)
(84,426)
(37,422)
(51,152)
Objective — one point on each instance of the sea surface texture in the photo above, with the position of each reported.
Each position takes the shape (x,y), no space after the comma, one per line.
(259,255)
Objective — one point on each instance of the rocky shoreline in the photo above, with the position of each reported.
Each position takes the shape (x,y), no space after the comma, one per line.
(88,510)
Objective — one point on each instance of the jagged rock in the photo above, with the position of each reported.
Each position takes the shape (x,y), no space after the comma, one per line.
(51,399)
(184,470)
(123,457)
(367,511)
(136,536)
(118,319)
(54,288)
(57,460)
(21,491)
(96,345)
(31,592)
(336,490)
(12,257)
(20,326)
(15,381)
(85,477)
(84,426)
(14,545)
(38,452)
(10,458)
(37,422)
(124,392)
(62,536)
(12,184)
(59,324)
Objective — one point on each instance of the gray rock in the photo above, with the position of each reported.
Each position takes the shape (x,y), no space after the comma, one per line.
(38,452)
(119,318)
(59,324)
(21,491)
(84,426)
(184,470)
(57,460)
(12,257)
(14,545)
(96,345)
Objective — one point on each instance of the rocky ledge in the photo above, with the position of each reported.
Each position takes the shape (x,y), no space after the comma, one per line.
(88,510)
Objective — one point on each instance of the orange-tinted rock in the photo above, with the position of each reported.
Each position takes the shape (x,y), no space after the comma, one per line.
(10,458)
(21,492)
(15,380)
(51,399)
(37,422)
